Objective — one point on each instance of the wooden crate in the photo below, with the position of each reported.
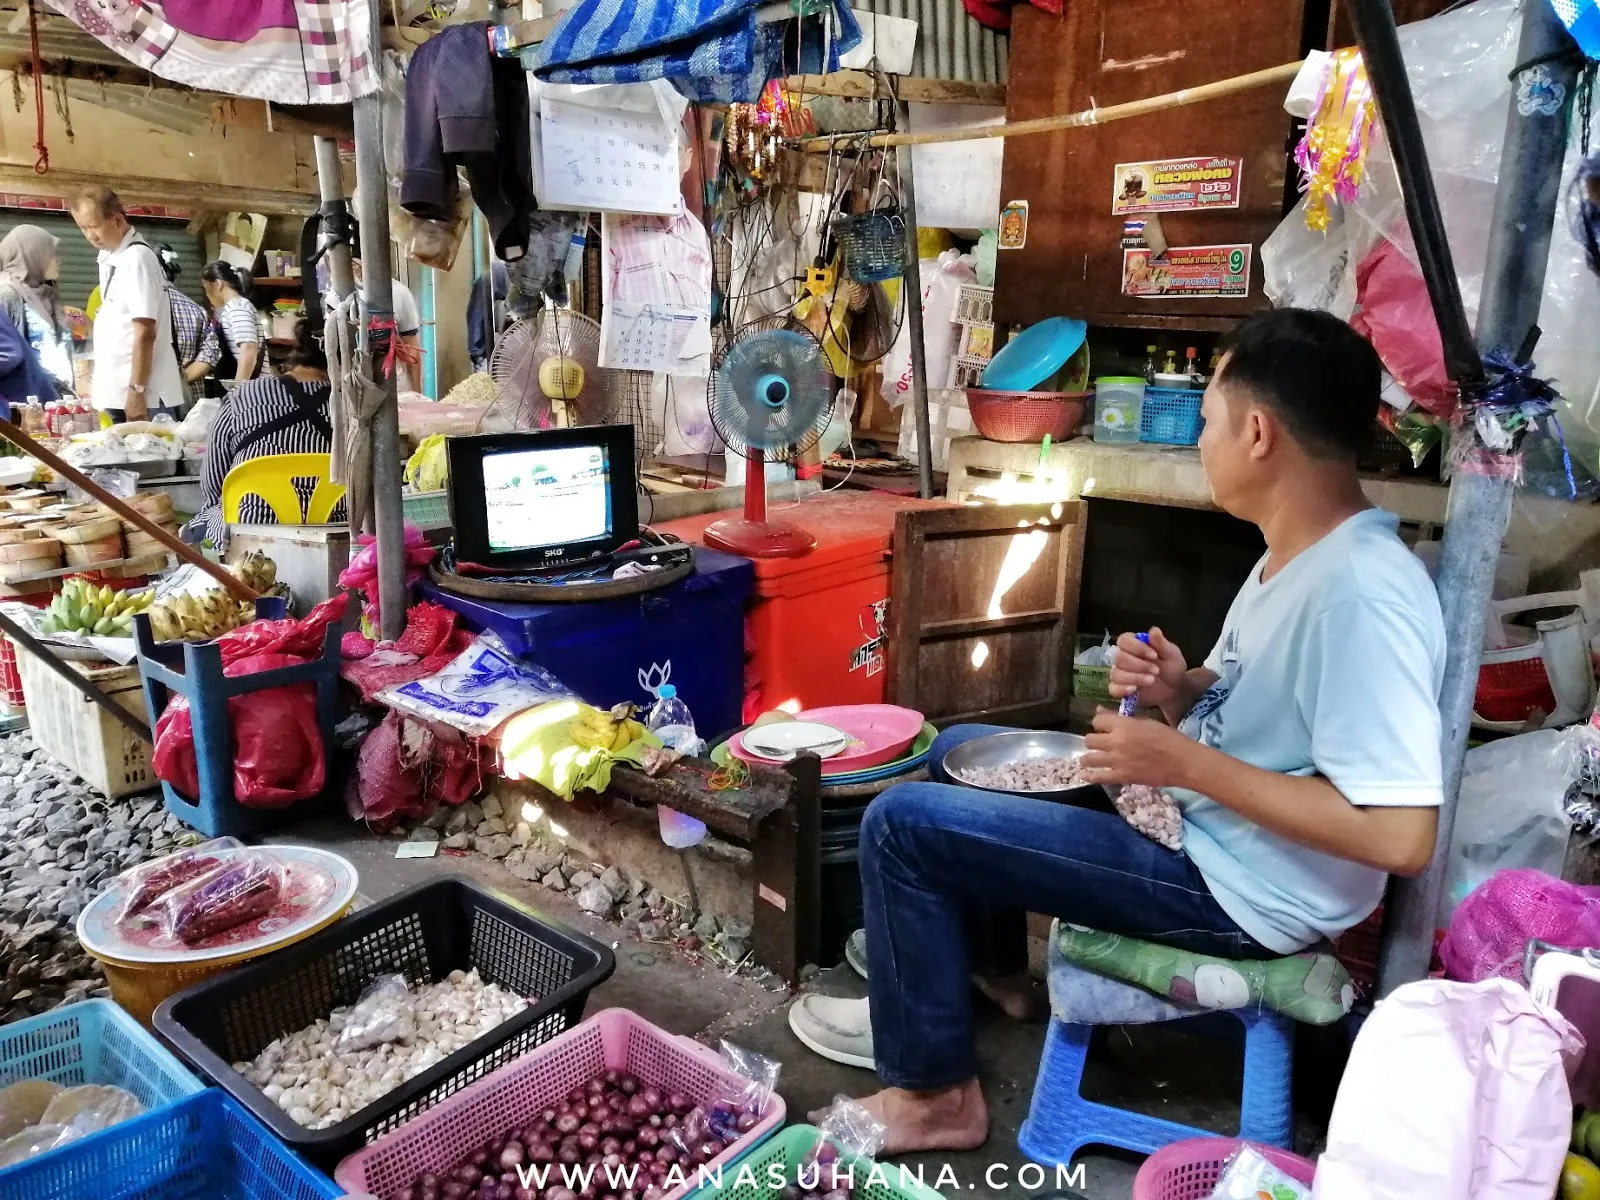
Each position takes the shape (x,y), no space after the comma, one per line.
(71,728)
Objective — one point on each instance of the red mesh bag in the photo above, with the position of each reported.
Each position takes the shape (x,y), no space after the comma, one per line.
(1491,928)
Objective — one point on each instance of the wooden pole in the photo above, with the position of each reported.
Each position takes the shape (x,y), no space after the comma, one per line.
(183,550)
(1077,120)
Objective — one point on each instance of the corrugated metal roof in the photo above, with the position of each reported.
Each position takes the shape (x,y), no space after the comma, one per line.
(950,44)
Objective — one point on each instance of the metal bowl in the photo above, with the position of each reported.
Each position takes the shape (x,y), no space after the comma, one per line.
(1023,745)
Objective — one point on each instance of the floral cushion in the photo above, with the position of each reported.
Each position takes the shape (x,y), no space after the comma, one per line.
(1312,986)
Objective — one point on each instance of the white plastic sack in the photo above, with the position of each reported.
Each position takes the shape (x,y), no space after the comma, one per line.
(1513,808)
(942,279)
(1454,1091)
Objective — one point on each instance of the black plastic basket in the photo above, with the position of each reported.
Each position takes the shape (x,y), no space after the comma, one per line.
(424,933)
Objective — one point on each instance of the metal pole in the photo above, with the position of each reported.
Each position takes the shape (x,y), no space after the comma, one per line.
(372,191)
(911,294)
(330,183)
(1480,499)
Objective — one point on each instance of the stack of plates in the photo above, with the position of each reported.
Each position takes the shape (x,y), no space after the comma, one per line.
(858,743)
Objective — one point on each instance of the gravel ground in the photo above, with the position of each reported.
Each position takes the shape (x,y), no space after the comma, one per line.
(60,842)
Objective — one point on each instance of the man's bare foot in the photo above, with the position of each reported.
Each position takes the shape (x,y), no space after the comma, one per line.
(953,1118)
(1014,995)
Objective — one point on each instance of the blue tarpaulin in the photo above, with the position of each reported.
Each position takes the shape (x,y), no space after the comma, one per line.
(1582,19)
(711,50)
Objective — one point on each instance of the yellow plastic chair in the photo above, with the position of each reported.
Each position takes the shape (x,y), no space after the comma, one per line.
(272,476)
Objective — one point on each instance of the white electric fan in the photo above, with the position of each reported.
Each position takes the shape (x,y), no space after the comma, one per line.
(547,370)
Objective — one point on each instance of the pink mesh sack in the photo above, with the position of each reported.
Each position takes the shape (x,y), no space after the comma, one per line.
(1491,928)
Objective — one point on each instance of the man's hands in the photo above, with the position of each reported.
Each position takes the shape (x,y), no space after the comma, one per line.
(134,405)
(1136,750)
(1155,670)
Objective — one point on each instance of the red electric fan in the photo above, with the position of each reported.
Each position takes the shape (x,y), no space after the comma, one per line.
(770,398)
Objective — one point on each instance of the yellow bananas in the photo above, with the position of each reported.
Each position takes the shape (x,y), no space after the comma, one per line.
(182,617)
(83,607)
(257,571)
(594,729)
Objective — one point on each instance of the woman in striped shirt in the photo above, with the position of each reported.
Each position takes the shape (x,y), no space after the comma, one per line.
(226,289)
(276,414)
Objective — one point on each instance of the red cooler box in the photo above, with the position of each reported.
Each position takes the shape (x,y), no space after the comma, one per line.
(817,623)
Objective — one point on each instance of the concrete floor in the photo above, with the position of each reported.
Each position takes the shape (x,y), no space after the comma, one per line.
(1151,1070)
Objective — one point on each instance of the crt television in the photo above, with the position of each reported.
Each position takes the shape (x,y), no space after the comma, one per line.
(544,498)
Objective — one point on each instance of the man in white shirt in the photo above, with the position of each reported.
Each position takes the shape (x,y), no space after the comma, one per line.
(135,363)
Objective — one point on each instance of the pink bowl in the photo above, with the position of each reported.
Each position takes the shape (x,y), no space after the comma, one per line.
(881,733)
(1190,1170)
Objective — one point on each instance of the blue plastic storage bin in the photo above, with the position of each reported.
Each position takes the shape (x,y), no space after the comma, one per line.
(93,1041)
(1171,416)
(205,1147)
(692,630)
(195,671)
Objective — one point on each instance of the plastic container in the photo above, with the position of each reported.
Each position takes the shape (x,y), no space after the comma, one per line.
(611,651)
(1090,683)
(1170,416)
(425,509)
(614,1037)
(75,731)
(670,719)
(93,1041)
(424,932)
(195,670)
(203,1146)
(1118,401)
(789,1149)
(817,624)
(1189,1170)
(1035,354)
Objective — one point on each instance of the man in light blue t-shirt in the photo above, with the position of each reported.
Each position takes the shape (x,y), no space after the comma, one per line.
(1304,752)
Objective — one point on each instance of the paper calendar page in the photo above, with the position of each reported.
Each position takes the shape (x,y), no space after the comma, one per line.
(608,160)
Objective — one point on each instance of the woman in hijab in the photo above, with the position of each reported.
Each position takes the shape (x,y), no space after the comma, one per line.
(28,269)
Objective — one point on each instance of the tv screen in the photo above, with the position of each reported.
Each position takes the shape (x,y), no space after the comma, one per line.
(544,498)
(541,497)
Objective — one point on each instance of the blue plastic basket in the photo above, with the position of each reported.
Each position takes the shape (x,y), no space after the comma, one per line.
(204,1146)
(1171,416)
(195,671)
(93,1042)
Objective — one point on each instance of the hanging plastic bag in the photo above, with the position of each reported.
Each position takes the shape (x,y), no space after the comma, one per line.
(428,470)
(1513,808)
(1396,316)
(942,280)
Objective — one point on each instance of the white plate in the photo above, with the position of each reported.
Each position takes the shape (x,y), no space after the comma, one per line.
(782,740)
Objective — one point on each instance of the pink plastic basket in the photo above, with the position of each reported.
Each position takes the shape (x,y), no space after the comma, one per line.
(1190,1170)
(509,1097)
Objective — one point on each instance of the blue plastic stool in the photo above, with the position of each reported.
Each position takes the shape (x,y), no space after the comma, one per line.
(1061,1122)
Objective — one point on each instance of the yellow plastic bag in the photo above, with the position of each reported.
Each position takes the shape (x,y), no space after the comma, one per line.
(428,470)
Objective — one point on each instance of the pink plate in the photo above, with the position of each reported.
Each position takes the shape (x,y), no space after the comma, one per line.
(881,733)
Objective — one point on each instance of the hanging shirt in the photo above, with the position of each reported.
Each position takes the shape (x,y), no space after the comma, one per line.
(1332,667)
(133,288)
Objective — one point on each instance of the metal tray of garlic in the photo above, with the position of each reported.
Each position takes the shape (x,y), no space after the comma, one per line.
(1041,763)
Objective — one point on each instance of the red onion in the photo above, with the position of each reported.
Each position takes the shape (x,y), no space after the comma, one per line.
(630,1147)
(569,1152)
(653,1098)
(670,1121)
(548,1116)
(541,1151)
(629,1084)
(505,1191)
(655,1120)
(523,1193)
(588,1142)
(617,1102)
(653,1192)
(666,1156)
(648,1136)
(575,1096)
(679,1103)
(404,1193)
(469,1175)
(428,1194)
(567,1123)
(644,1158)
(560,1193)
(430,1182)
(512,1156)
(610,1145)
(746,1122)
(639,1107)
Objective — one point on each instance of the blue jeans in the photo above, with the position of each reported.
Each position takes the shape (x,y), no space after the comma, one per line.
(933,855)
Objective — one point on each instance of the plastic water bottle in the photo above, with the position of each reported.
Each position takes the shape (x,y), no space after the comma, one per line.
(671,721)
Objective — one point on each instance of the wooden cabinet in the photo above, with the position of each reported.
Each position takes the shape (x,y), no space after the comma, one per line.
(1103,52)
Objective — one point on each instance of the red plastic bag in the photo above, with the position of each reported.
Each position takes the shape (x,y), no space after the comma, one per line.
(302,637)
(1394,313)
(278,755)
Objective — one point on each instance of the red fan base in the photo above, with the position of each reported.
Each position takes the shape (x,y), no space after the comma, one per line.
(752,535)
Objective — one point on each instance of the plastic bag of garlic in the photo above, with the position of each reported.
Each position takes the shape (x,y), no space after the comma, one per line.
(319,1083)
